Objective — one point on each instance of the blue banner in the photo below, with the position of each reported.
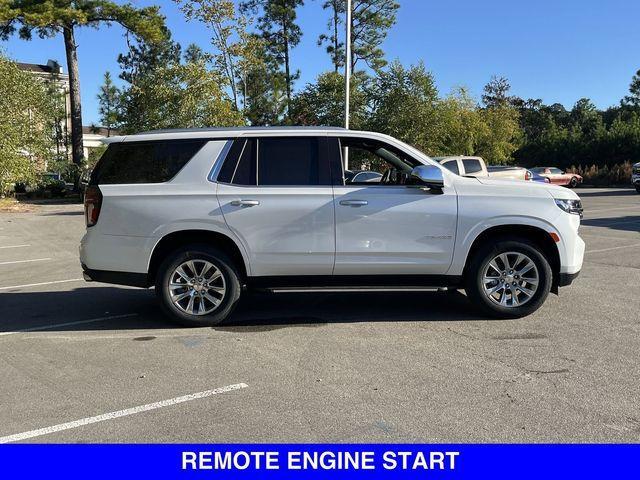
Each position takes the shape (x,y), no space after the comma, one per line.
(295,461)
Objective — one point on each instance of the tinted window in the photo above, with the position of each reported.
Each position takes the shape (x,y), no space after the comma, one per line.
(144,162)
(555,170)
(471,165)
(239,166)
(291,161)
(452,165)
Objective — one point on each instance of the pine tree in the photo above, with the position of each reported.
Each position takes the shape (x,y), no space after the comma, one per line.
(50,17)
(108,104)
(277,24)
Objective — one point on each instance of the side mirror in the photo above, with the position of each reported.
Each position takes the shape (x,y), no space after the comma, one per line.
(429,175)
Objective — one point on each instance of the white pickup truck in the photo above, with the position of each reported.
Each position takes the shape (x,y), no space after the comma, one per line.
(468,166)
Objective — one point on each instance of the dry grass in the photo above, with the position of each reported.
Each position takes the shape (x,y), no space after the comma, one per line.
(11,205)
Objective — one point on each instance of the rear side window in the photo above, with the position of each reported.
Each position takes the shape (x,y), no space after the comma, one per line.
(275,161)
(239,167)
(471,165)
(291,161)
(144,162)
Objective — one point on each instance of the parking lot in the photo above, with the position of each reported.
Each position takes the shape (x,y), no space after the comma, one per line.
(77,359)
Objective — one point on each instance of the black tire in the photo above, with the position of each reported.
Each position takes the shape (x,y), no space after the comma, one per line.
(221,262)
(486,253)
(573,183)
(638,189)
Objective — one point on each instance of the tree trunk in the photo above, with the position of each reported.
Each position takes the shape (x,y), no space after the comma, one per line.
(77,152)
(336,40)
(287,69)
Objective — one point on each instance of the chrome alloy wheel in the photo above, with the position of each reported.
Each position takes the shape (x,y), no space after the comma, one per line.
(197,287)
(510,279)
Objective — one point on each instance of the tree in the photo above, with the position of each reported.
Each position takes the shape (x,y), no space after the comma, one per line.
(108,99)
(48,18)
(143,58)
(177,95)
(277,24)
(496,93)
(335,47)
(236,50)
(322,103)
(633,100)
(26,130)
(370,23)
(404,105)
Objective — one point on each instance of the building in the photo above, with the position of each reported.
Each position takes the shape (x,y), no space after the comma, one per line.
(52,73)
(91,136)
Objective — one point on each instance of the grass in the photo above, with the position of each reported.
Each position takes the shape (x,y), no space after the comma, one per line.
(11,205)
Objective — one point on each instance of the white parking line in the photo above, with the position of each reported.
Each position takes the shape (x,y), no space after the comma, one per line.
(25,261)
(66,324)
(613,248)
(15,246)
(42,283)
(120,413)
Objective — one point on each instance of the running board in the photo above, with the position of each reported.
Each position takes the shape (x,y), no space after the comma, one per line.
(352,289)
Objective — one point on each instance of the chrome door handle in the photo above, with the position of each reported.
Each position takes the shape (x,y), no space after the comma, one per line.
(245,203)
(354,203)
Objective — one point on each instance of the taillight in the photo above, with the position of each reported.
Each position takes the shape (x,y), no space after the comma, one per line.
(92,204)
(528,175)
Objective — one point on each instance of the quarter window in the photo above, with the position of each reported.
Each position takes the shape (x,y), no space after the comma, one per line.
(143,162)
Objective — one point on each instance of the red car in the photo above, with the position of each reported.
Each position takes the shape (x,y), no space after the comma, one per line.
(558,177)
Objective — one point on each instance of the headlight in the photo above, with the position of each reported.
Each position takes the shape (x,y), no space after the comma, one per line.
(570,206)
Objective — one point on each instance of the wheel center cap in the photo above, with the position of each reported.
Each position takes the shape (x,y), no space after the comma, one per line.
(509,278)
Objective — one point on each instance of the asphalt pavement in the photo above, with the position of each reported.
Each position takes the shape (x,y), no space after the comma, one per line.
(90,362)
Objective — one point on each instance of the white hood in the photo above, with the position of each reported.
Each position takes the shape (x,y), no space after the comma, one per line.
(554,190)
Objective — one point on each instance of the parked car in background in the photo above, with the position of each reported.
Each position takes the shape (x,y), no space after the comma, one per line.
(508,172)
(362,176)
(559,177)
(534,177)
(464,166)
(202,213)
(635,176)
(476,167)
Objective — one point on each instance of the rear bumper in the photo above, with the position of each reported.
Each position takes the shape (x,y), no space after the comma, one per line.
(117,278)
(567,278)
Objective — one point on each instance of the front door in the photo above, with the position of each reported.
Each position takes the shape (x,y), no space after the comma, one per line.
(391,227)
(276,196)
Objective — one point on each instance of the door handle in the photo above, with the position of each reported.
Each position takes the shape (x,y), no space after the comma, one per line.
(245,203)
(354,203)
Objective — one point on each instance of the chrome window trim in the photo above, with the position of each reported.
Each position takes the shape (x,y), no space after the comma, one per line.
(217,164)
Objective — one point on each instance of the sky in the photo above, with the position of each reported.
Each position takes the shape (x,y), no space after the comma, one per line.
(559,51)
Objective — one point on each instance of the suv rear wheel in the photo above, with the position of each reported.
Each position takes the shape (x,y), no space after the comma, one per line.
(509,278)
(198,286)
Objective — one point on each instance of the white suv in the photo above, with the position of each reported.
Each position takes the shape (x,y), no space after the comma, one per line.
(200,214)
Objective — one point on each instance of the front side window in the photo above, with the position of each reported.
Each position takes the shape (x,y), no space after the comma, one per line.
(143,162)
(385,163)
(471,165)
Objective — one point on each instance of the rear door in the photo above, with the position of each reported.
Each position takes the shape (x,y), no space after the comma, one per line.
(276,196)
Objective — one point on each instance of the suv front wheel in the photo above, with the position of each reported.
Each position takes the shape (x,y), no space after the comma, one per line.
(510,278)
(198,286)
